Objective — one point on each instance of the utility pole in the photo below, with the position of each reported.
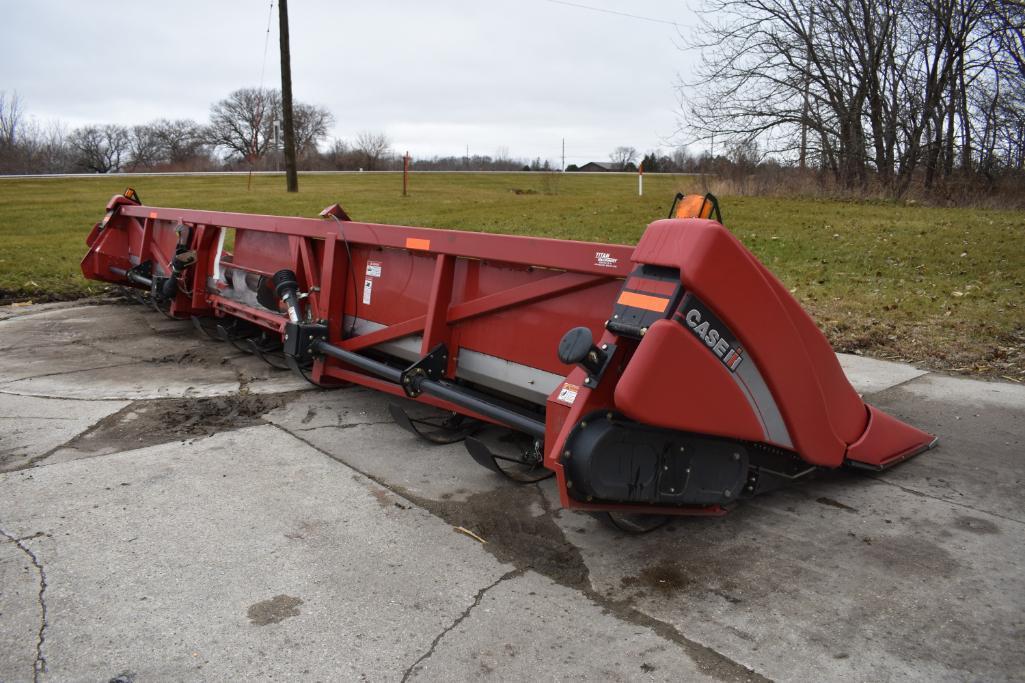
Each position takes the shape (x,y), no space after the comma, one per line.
(291,174)
(405,175)
(564,154)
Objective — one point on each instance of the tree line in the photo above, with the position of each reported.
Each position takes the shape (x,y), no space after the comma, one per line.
(243,132)
(888,94)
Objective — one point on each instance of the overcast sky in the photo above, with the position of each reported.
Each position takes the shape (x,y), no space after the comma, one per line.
(435,76)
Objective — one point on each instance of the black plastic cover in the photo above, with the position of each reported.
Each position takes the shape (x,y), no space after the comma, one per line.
(618,460)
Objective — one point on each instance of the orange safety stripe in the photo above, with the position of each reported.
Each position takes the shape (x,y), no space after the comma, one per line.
(417,243)
(648,303)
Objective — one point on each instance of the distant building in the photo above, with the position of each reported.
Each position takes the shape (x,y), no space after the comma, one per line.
(598,167)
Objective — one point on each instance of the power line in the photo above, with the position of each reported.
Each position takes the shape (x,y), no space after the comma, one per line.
(612,11)
(266,42)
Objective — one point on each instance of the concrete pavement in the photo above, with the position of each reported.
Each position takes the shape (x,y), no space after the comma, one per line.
(171,508)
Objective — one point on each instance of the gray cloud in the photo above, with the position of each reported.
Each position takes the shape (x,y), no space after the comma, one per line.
(434,76)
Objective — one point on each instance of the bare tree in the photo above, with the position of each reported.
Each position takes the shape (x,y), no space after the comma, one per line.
(311,127)
(372,147)
(859,88)
(181,140)
(11,114)
(101,149)
(52,153)
(621,156)
(144,148)
(241,123)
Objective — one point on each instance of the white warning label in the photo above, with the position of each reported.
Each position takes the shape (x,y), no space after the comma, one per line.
(568,393)
(605,260)
(373,269)
(368,288)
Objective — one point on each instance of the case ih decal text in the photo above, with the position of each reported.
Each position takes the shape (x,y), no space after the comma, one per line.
(709,329)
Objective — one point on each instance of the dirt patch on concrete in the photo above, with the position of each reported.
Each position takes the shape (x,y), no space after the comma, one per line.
(507,520)
(148,423)
(664,577)
(824,500)
(274,611)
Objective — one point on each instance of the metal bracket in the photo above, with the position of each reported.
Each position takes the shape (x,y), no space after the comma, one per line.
(596,365)
(527,468)
(431,366)
(299,341)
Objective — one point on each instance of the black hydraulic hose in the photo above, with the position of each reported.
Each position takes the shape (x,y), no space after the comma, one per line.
(455,395)
(132,276)
(287,288)
(362,362)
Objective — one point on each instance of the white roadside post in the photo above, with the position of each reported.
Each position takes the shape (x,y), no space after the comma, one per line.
(640,179)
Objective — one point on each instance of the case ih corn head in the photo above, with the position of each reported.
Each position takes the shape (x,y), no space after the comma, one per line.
(675,377)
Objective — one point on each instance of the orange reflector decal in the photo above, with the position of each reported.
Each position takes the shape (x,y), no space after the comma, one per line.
(416,243)
(652,286)
(648,303)
(152,214)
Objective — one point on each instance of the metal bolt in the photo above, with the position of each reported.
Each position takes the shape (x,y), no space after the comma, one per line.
(687,471)
(608,416)
(616,316)
(604,347)
(727,493)
(583,423)
(644,331)
(565,454)
(569,484)
(665,468)
(672,490)
(682,449)
(405,380)
(736,456)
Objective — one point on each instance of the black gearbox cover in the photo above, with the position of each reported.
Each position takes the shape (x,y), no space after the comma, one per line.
(614,459)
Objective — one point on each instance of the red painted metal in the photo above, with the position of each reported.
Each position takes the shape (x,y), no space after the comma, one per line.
(512,298)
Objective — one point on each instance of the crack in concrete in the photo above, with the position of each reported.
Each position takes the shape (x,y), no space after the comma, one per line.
(65,372)
(348,425)
(72,398)
(707,659)
(466,612)
(923,494)
(103,421)
(39,665)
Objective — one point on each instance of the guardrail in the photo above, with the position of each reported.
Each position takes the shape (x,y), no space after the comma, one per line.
(282,173)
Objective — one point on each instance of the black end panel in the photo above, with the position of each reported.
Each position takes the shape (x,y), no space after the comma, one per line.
(612,459)
(637,306)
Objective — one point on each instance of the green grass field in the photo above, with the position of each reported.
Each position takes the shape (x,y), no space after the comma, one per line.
(943,287)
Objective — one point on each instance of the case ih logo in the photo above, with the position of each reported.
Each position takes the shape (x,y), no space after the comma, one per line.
(712,332)
(605,259)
